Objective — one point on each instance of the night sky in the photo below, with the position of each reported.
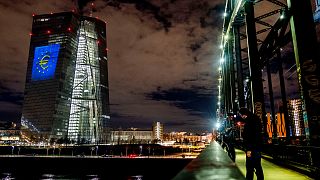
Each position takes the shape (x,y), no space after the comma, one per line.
(163,56)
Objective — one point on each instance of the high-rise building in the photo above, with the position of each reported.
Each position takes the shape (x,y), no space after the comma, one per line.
(296,117)
(157,129)
(66,91)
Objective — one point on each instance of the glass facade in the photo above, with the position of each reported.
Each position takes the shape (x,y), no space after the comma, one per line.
(157,129)
(296,117)
(66,92)
(131,137)
(85,113)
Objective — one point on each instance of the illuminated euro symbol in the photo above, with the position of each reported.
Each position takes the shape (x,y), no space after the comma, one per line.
(44,61)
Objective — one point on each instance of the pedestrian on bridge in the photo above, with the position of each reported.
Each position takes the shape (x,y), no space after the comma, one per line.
(228,136)
(252,139)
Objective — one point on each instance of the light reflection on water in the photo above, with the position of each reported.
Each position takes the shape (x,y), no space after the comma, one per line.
(6,176)
(10,176)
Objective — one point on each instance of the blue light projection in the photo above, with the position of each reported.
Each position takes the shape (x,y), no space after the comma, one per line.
(45,61)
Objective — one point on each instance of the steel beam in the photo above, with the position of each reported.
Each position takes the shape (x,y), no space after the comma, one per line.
(308,65)
(257,94)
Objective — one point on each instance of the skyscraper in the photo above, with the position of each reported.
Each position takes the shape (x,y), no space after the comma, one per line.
(157,131)
(66,92)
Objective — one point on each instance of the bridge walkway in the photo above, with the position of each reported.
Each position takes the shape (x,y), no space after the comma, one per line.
(271,170)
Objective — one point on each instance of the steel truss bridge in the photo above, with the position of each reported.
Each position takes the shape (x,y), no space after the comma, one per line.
(270,64)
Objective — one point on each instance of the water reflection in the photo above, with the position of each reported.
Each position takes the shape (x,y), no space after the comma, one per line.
(6,176)
(10,176)
(137,177)
(56,176)
(92,177)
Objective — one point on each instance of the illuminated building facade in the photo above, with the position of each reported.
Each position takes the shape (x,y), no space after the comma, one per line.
(157,129)
(131,136)
(185,138)
(296,117)
(66,91)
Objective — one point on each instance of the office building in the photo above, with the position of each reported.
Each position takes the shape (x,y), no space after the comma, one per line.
(66,91)
(131,136)
(157,129)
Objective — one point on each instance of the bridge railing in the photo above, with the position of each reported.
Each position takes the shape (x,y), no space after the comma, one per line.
(302,158)
(212,163)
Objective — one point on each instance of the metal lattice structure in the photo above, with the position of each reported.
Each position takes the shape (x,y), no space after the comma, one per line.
(259,40)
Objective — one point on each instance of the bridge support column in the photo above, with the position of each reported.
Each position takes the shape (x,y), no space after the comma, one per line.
(308,65)
(237,44)
(284,97)
(273,115)
(255,66)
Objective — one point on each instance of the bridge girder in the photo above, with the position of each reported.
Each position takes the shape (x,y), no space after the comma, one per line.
(272,28)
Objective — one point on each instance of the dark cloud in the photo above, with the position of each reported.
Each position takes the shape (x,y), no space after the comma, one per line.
(120,121)
(10,116)
(162,55)
(82,3)
(208,20)
(14,98)
(191,100)
(10,103)
(9,95)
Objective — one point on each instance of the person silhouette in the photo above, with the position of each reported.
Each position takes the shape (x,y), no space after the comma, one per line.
(252,139)
(228,136)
